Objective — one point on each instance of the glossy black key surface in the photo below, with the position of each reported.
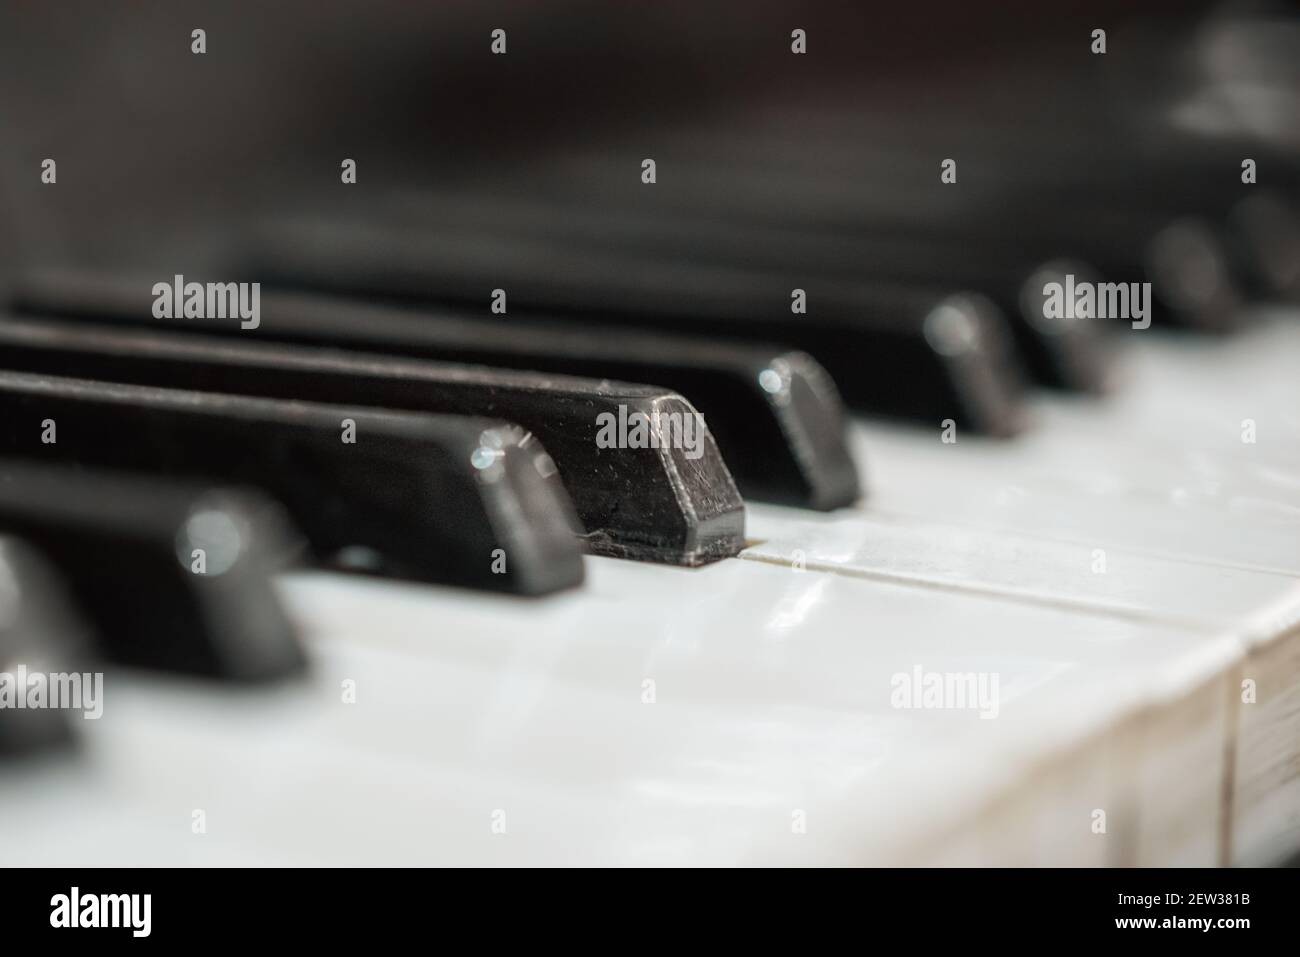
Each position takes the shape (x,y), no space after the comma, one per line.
(1264,240)
(171,575)
(876,339)
(1183,257)
(433,498)
(776,415)
(670,500)
(1123,236)
(40,635)
(1058,354)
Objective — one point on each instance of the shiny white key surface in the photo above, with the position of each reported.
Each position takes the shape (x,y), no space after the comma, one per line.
(1044,570)
(772,684)
(772,694)
(1160,469)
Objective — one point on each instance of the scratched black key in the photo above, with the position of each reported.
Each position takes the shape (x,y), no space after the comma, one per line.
(40,636)
(170,575)
(433,498)
(775,414)
(661,493)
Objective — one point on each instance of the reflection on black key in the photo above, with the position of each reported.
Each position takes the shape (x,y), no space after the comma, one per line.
(171,575)
(876,339)
(1122,237)
(671,500)
(776,415)
(1057,354)
(40,636)
(1181,256)
(434,498)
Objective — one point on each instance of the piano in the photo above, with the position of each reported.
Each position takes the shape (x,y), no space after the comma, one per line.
(549,435)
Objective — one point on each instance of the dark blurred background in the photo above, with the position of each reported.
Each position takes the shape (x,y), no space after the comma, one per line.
(165,157)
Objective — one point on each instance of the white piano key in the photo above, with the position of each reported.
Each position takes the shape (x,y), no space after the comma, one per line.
(1265,781)
(1014,489)
(1160,470)
(1087,576)
(773,695)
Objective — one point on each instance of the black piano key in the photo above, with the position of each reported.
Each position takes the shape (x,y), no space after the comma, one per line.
(1121,237)
(1264,232)
(776,415)
(1057,354)
(871,337)
(1183,255)
(171,575)
(431,498)
(40,635)
(671,501)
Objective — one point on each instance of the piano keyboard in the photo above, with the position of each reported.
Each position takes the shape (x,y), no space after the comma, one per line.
(757,512)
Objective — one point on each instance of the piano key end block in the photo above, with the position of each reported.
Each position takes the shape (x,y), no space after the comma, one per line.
(808,408)
(697,516)
(39,635)
(525,501)
(172,576)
